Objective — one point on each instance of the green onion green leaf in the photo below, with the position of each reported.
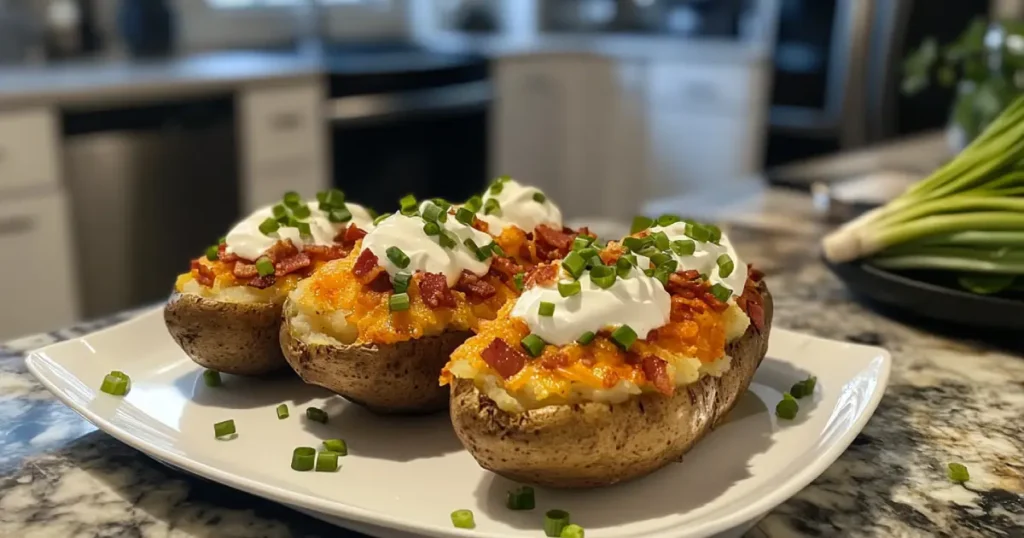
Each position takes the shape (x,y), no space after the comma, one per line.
(264,267)
(327,462)
(400,282)
(533,344)
(554,522)
(683,247)
(492,207)
(585,338)
(282,412)
(624,336)
(398,302)
(721,292)
(213,253)
(303,458)
(269,226)
(397,257)
(640,224)
(338,446)
(786,408)
(546,309)
(463,519)
(316,415)
(224,429)
(957,472)
(568,289)
(211,378)
(539,197)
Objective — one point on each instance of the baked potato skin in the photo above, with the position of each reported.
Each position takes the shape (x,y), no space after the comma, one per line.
(233,338)
(594,444)
(397,378)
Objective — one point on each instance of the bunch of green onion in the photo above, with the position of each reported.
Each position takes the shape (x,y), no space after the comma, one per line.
(966,218)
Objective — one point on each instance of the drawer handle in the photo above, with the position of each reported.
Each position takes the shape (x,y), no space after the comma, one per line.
(16,225)
(286,121)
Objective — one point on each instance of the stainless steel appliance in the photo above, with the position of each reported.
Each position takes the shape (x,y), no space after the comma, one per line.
(151,186)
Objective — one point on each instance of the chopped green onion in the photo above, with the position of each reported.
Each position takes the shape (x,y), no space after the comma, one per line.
(518,279)
(331,199)
(481,254)
(372,212)
(587,253)
(539,197)
(120,375)
(631,258)
(574,264)
(211,378)
(568,289)
(327,462)
(474,204)
(662,272)
(636,244)
(721,292)
(432,229)
(958,472)
(554,522)
(445,205)
(397,257)
(338,446)
(585,338)
(408,204)
(431,212)
(496,187)
(491,207)
(533,344)
(213,253)
(683,247)
(114,384)
(264,267)
(400,282)
(279,211)
(282,412)
(465,216)
(546,309)
(640,224)
(224,429)
(603,276)
(520,499)
(463,519)
(339,214)
(661,241)
(648,251)
(581,242)
(316,415)
(698,232)
(715,233)
(304,230)
(447,239)
(292,199)
(668,220)
(496,249)
(624,336)
(659,258)
(398,302)
(269,226)
(303,458)
(803,388)
(380,218)
(301,211)
(623,267)
(572,531)
(786,408)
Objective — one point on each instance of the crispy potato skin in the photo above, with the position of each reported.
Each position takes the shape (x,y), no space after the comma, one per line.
(387,379)
(233,338)
(593,444)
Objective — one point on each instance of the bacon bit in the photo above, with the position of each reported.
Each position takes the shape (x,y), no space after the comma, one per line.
(713,302)
(281,250)
(504,359)
(203,274)
(479,225)
(381,283)
(292,264)
(552,244)
(505,266)
(325,253)
(754,274)
(556,360)
(243,270)
(262,282)
(365,265)
(471,284)
(684,308)
(756,313)
(656,372)
(434,290)
(524,249)
(541,275)
(611,253)
(222,254)
(582,231)
(349,235)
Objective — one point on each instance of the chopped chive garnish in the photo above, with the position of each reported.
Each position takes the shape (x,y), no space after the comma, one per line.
(264,267)
(339,214)
(337,446)
(303,458)
(442,203)
(533,344)
(397,257)
(279,211)
(304,230)
(282,412)
(648,251)
(554,522)
(496,187)
(659,258)
(400,282)
(662,273)
(587,253)
(623,267)
(491,207)
(716,233)
(431,212)
(432,228)
(668,267)
(465,216)
(213,253)
(725,265)
(116,384)
(787,407)
(447,239)
(269,226)
(580,242)
(496,249)
(568,289)
(957,472)
(640,224)
(518,279)
(211,378)
(316,415)
(698,232)
(120,375)
(721,292)
(624,336)
(520,499)
(803,388)
(327,462)
(661,241)
(408,204)
(463,519)
(224,429)
(572,530)
(481,254)
(539,197)
(574,264)
(373,213)
(546,309)
(301,212)
(331,199)
(668,220)
(380,218)
(603,276)
(292,199)
(585,338)
(636,244)
(474,204)
(683,247)
(398,302)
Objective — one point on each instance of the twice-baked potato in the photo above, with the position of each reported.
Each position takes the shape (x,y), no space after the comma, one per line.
(592,385)
(225,313)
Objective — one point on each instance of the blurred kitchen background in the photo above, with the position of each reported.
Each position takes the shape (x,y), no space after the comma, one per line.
(134,132)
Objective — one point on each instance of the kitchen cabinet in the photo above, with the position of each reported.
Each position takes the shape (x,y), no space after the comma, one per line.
(284,141)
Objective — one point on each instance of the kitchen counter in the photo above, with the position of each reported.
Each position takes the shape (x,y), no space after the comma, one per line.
(948,401)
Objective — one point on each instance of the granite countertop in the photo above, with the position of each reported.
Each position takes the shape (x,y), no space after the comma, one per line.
(949,400)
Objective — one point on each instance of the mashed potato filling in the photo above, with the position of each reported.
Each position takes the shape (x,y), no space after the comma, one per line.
(226,288)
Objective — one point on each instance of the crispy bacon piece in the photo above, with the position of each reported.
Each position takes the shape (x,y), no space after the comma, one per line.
(244,270)
(480,225)
(380,283)
(687,284)
(505,360)
(611,254)
(292,264)
(552,244)
(325,253)
(349,235)
(751,302)
(756,313)
(365,265)
(222,254)
(541,275)
(203,274)
(281,250)
(262,282)
(556,360)
(506,267)
(656,372)
(434,290)
(473,285)
(754,274)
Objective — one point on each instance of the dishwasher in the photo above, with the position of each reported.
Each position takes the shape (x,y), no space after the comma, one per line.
(151,186)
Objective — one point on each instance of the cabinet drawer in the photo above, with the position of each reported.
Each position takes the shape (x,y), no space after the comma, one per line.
(722,88)
(268,179)
(28,148)
(35,251)
(280,122)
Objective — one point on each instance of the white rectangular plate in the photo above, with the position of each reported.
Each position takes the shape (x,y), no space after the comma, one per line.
(409,474)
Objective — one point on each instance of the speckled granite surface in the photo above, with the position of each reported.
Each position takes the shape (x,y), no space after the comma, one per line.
(951,398)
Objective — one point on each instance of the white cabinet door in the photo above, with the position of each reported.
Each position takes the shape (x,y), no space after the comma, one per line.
(28,149)
(695,152)
(38,289)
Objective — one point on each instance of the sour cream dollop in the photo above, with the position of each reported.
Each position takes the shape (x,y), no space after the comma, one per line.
(705,258)
(425,252)
(519,208)
(637,300)
(247,241)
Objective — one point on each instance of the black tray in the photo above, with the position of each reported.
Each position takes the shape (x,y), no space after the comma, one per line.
(930,299)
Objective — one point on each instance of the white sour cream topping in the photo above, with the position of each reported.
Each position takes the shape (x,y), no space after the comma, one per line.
(638,300)
(424,252)
(705,258)
(518,208)
(247,241)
